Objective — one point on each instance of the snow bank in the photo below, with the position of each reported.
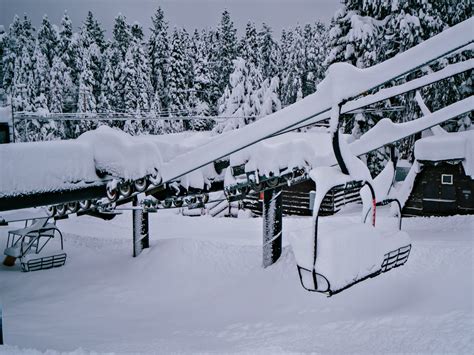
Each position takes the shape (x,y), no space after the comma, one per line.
(45,166)
(448,146)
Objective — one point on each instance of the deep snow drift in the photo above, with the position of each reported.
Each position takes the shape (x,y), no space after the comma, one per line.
(201,288)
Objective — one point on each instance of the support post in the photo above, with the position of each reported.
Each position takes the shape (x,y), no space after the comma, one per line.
(141,238)
(272,226)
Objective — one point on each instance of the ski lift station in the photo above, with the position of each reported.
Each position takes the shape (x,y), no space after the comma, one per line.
(106,171)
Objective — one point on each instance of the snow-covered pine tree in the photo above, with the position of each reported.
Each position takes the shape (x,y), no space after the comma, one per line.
(269,98)
(107,86)
(293,74)
(23,83)
(136,81)
(120,43)
(226,49)
(320,45)
(121,36)
(452,12)
(87,102)
(241,99)
(42,79)
(10,53)
(68,53)
(27,38)
(131,92)
(92,37)
(48,39)
(3,44)
(249,46)
(178,78)
(269,53)
(211,47)
(354,37)
(199,96)
(57,85)
(158,54)
(20,36)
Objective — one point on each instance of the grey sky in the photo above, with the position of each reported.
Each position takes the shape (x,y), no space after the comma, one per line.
(190,14)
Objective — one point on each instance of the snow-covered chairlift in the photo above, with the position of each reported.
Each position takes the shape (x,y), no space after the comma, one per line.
(336,255)
(28,243)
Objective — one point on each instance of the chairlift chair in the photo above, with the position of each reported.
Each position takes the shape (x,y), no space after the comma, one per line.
(339,255)
(28,245)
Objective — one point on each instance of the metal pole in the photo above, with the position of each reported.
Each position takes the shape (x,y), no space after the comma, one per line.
(13,122)
(272,226)
(141,237)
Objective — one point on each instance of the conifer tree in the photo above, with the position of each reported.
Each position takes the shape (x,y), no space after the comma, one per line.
(48,39)
(158,53)
(107,86)
(23,92)
(199,96)
(68,53)
(177,77)
(58,84)
(120,43)
(87,102)
(249,46)
(42,78)
(226,49)
(20,36)
(241,99)
(269,53)
(121,36)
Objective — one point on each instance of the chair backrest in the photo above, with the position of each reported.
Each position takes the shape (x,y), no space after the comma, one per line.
(37,222)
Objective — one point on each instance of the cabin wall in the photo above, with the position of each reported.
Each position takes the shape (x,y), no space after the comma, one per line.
(431,197)
(296,200)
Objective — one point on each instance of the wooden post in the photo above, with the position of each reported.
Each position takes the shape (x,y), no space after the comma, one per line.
(141,238)
(272,226)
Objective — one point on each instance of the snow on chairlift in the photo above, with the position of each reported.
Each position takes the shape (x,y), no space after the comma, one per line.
(28,245)
(339,253)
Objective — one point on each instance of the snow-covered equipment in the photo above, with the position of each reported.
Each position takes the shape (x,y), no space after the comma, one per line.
(28,244)
(335,256)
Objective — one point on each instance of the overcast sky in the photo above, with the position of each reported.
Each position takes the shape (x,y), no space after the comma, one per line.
(183,13)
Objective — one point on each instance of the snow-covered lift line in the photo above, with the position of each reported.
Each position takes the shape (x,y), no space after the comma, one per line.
(385,131)
(384,94)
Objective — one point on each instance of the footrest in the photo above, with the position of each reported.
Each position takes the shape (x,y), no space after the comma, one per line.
(43,263)
(395,258)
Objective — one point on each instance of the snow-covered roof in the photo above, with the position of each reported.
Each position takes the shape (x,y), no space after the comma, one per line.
(448,146)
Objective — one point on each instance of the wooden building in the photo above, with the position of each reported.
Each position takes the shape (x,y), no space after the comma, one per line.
(442,177)
(297,200)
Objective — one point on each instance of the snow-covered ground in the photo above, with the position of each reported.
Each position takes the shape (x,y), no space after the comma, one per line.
(201,288)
